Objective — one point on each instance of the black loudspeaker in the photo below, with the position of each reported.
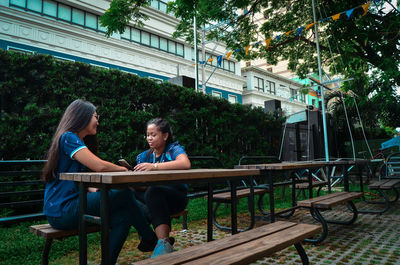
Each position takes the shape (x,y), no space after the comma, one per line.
(272,105)
(183,81)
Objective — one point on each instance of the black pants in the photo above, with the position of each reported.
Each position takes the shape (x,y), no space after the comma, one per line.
(162,201)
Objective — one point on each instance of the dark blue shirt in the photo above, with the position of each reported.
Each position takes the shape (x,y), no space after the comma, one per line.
(59,194)
(171,152)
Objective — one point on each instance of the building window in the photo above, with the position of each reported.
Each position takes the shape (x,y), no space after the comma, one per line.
(302,97)
(64,12)
(20,50)
(269,69)
(248,63)
(216,94)
(154,41)
(34,5)
(91,22)
(259,84)
(313,102)
(293,94)
(271,87)
(232,99)
(78,17)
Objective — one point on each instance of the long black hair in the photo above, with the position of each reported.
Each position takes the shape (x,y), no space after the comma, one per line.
(75,118)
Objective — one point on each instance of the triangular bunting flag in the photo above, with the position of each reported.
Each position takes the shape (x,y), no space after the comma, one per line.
(210,60)
(299,31)
(238,50)
(247,49)
(310,25)
(267,42)
(324,19)
(256,44)
(349,12)
(219,60)
(287,33)
(336,17)
(278,38)
(228,55)
(365,7)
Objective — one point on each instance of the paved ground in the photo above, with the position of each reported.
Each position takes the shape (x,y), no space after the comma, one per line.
(373,239)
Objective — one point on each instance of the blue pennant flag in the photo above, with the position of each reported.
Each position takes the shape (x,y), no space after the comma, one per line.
(278,38)
(324,19)
(349,12)
(219,60)
(299,31)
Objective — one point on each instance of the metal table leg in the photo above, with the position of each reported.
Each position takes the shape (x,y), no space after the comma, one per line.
(82,224)
(105,224)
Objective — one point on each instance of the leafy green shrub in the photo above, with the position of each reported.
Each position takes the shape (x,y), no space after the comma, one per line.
(35,90)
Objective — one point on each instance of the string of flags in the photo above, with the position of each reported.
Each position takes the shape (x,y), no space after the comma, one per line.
(297,33)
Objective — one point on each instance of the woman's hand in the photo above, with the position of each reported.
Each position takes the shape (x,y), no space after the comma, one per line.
(91,189)
(144,167)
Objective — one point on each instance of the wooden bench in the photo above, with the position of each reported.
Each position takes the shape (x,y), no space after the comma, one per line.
(225,197)
(326,202)
(302,187)
(383,187)
(243,248)
(49,233)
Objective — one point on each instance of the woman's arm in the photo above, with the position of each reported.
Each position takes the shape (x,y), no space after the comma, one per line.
(181,162)
(93,162)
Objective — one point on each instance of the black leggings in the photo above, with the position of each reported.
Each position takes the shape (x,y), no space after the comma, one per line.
(163,201)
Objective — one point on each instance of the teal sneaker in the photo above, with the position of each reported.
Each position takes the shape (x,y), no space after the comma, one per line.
(163,247)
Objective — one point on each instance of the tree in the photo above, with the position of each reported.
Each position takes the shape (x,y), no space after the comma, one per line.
(364,47)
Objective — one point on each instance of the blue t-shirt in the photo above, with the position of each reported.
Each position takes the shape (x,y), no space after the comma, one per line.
(59,194)
(171,152)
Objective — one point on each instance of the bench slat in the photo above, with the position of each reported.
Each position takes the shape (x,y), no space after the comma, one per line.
(390,184)
(330,200)
(239,194)
(314,184)
(308,202)
(328,203)
(376,185)
(48,232)
(218,245)
(259,248)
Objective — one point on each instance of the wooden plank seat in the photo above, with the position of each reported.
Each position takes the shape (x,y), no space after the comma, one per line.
(383,187)
(49,233)
(303,186)
(225,197)
(327,202)
(243,248)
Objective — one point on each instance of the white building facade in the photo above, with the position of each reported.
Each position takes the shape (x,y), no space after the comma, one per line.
(263,85)
(70,30)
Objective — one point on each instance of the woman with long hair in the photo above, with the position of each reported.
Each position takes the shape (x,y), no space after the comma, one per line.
(164,200)
(73,149)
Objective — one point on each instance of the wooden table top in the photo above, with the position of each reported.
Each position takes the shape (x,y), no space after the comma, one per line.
(302,164)
(156,176)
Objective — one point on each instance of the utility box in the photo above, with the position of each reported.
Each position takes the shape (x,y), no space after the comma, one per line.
(183,80)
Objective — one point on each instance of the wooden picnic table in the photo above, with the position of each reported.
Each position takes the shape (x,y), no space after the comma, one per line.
(114,180)
(269,170)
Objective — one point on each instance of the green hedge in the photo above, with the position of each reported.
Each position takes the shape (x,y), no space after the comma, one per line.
(35,90)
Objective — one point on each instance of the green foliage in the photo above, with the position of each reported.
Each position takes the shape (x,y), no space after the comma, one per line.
(363,47)
(37,89)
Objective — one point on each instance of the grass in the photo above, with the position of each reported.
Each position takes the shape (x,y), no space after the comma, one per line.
(19,246)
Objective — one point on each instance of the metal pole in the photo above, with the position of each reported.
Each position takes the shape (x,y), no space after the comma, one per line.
(203,67)
(321,87)
(196,59)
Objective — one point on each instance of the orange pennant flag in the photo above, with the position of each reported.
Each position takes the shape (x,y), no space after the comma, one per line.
(336,17)
(247,48)
(210,60)
(228,55)
(287,33)
(267,43)
(365,7)
(310,25)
